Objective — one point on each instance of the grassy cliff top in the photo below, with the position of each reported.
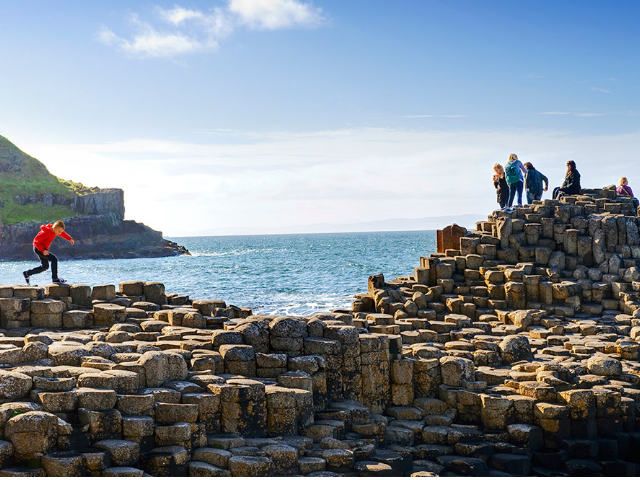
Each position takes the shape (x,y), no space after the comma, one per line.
(21,175)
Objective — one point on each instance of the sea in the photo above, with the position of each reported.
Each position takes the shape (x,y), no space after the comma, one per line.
(294,274)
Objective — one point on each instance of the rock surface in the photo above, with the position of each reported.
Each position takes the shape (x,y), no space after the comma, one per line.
(515,354)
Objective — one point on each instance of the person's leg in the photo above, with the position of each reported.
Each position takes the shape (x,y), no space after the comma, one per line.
(538,196)
(54,266)
(556,192)
(519,187)
(512,194)
(530,197)
(44,264)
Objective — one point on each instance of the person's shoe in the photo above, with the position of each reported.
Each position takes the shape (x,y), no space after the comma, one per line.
(26,278)
(59,280)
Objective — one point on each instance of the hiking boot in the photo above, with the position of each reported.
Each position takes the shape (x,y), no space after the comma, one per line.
(26,278)
(59,280)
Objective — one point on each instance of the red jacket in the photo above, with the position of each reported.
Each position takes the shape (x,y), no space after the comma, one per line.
(45,236)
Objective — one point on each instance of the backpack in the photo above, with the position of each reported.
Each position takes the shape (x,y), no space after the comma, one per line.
(512,173)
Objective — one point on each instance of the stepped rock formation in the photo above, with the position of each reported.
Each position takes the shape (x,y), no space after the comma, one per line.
(95,217)
(514,353)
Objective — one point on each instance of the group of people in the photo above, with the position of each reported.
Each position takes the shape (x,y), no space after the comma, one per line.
(516,178)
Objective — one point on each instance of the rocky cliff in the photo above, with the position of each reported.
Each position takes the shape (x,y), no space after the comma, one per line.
(30,196)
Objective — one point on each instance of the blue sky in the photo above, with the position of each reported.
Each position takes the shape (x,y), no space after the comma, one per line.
(277,115)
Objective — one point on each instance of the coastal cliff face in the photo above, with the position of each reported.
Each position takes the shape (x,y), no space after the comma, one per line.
(97,236)
(31,196)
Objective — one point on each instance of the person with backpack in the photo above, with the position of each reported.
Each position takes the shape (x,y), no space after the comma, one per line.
(500,184)
(514,172)
(571,184)
(534,183)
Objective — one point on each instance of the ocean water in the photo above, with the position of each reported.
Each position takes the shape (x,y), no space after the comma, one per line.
(283,274)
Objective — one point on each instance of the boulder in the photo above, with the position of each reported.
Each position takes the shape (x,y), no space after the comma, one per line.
(514,348)
(604,365)
(32,434)
(456,370)
(14,385)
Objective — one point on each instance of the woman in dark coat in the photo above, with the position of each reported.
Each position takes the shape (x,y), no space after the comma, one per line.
(571,184)
(501,186)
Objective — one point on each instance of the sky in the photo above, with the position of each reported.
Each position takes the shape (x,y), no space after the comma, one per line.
(272,116)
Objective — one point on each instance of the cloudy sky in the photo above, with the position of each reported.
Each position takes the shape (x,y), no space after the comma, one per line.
(260,116)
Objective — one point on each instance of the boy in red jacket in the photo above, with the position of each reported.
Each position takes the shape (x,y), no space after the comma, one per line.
(41,244)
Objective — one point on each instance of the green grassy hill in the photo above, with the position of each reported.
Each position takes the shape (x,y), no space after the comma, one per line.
(21,175)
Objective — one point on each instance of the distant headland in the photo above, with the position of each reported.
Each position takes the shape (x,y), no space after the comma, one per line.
(31,195)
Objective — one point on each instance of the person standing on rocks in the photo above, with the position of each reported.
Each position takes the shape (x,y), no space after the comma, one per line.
(535,183)
(42,243)
(515,171)
(571,184)
(500,184)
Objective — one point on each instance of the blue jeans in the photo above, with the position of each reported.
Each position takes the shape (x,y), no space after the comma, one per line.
(513,189)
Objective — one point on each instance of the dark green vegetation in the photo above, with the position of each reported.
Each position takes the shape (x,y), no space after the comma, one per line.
(29,192)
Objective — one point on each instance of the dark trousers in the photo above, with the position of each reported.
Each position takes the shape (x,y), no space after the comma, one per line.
(557,193)
(513,189)
(45,260)
(533,196)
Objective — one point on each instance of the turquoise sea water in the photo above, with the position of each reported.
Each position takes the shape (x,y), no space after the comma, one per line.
(292,274)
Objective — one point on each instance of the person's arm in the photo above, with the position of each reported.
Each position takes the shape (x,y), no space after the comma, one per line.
(68,238)
(522,169)
(545,180)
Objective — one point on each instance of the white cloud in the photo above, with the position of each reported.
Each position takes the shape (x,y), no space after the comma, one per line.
(107,36)
(274,14)
(156,44)
(150,41)
(600,90)
(185,30)
(283,181)
(178,15)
